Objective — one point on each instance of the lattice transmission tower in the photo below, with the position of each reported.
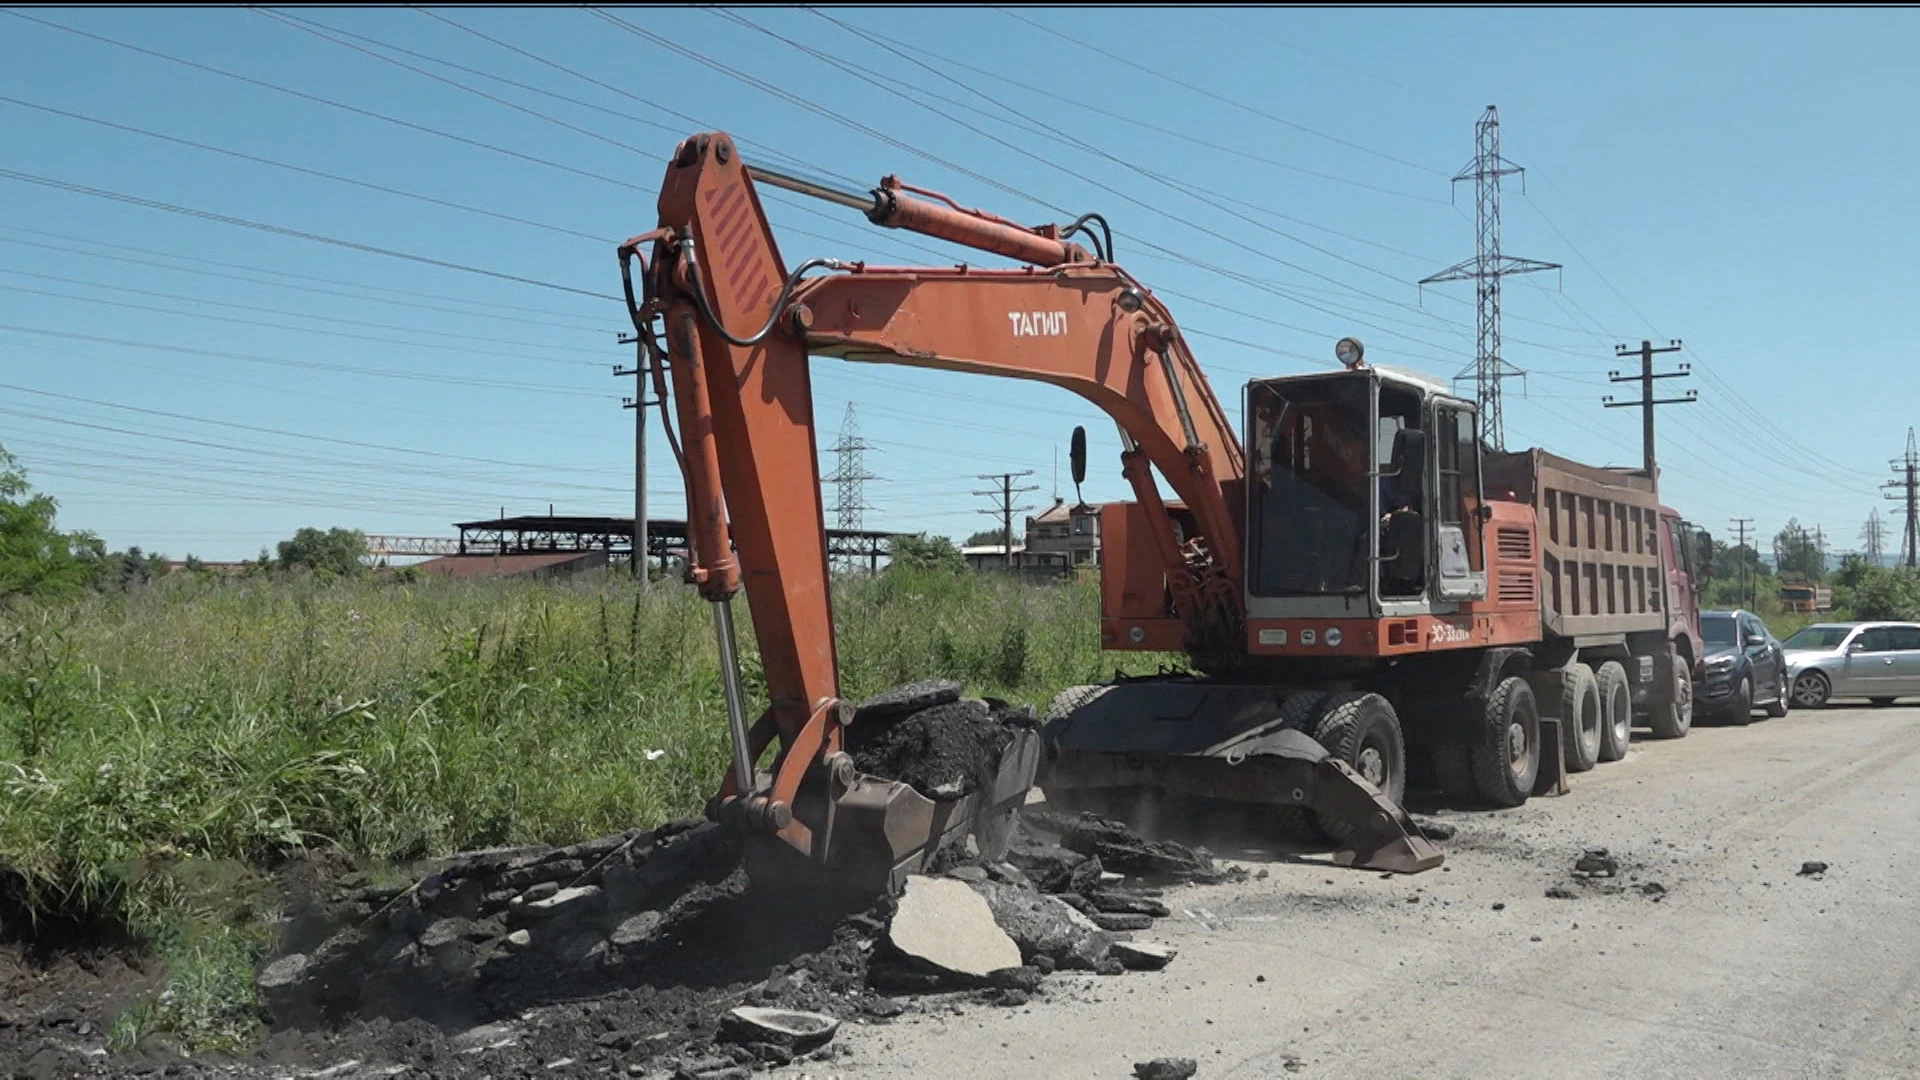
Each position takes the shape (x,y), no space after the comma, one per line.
(1485,270)
(849,479)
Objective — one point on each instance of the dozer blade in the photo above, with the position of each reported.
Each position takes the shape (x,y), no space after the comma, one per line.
(1226,742)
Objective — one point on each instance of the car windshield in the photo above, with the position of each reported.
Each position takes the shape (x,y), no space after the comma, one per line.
(1718,629)
(1816,637)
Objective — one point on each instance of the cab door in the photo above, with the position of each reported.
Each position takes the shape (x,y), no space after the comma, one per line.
(1459,553)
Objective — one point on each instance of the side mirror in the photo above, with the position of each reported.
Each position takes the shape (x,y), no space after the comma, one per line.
(1077,461)
(1756,639)
(1857,646)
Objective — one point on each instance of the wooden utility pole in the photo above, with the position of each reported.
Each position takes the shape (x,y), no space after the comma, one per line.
(1647,401)
(1004,496)
(1740,526)
(638,403)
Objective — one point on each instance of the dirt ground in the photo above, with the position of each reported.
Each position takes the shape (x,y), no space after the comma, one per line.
(1742,968)
(1709,954)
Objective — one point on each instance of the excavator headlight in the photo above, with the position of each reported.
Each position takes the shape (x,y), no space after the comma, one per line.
(1332,637)
(1349,351)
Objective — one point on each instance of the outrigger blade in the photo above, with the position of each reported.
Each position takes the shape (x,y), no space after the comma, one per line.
(1226,741)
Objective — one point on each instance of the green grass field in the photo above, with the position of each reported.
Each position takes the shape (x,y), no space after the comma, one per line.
(148,736)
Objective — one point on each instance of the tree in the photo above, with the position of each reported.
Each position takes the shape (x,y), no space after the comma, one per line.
(1883,592)
(36,557)
(1797,555)
(922,552)
(988,536)
(336,551)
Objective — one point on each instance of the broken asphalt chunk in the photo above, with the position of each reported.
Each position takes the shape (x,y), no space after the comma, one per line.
(1166,1068)
(943,924)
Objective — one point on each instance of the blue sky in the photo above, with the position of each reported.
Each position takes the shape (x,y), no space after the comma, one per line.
(1738,179)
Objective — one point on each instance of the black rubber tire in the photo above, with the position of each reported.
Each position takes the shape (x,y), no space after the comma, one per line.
(1739,711)
(1616,710)
(1072,698)
(1362,730)
(1506,759)
(1674,719)
(1780,707)
(1880,702)
(1812,689)
(1300,712)
(1580,723)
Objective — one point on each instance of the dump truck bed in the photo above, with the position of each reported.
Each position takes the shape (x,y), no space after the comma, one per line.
(1600,559)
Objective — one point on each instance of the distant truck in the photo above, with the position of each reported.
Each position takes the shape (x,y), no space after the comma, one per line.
(1806,599)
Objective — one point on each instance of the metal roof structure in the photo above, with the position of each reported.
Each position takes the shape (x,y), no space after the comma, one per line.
(666,538)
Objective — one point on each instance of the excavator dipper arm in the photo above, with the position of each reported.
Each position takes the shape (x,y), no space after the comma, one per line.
(739,329)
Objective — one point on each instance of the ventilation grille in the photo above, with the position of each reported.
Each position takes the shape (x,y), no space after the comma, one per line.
(1514,543)
(1516,588)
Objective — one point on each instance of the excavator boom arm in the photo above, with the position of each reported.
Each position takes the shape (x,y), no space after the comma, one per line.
(739,329)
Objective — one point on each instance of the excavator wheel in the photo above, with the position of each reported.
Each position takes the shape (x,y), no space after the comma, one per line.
(1506,760)
(1300,712)
(1362,730)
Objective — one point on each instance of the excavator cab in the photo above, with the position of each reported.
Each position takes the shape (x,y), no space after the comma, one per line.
(1363,499)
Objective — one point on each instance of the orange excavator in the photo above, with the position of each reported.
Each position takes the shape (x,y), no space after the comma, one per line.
(1338,585)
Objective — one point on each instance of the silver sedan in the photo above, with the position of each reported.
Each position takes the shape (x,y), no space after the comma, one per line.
(1879,661)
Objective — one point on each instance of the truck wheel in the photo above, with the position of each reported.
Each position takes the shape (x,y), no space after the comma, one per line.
(1580,722)
(1506,759)
(1616,710)
(1362,730)
(1673,719)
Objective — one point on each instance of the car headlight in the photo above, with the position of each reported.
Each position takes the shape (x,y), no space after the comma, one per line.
(1718,664)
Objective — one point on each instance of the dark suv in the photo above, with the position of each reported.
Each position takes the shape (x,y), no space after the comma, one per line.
(1745,667)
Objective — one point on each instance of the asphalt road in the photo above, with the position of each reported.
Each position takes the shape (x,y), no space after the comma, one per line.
(1744,967)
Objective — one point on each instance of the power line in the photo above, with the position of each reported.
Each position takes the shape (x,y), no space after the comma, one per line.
(310,365)
(118,253)
(281,230)
(305,170)
(316,99)
(1134,64)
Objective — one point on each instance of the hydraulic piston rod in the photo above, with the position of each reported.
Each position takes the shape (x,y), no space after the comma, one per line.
(890,206)
(736,708)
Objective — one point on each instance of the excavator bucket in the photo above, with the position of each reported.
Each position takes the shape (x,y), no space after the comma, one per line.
(1230,743)
(869,833)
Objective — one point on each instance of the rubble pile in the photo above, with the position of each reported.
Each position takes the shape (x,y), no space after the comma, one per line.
(686,968)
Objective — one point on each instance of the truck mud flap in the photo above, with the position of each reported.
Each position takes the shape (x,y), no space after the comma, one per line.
(1227,742)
